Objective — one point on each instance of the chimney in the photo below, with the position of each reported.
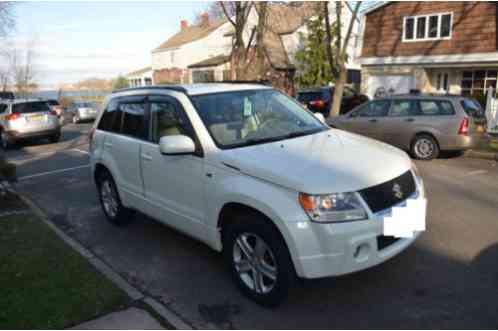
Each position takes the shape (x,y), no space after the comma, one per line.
(205,19)
(183,24)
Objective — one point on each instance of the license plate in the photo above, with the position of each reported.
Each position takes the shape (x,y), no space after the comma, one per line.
(37,118)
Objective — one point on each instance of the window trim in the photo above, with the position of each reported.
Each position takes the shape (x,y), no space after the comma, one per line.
(427,19)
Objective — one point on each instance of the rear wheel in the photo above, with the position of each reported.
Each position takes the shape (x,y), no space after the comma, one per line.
(424,147)
(5,142)
(258,258)
(113,209)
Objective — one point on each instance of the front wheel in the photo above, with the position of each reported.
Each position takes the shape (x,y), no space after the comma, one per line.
(5,142)
(424,147)
(258,258)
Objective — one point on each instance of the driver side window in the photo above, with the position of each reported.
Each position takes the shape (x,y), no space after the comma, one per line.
(167,119)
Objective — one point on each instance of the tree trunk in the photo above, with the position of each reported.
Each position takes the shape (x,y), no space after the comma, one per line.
(338,91)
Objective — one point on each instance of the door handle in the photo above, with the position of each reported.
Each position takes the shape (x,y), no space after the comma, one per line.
(409,120)
(146,157)
(109,145)
(373,121)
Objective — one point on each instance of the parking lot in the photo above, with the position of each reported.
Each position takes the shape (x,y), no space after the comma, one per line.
(448,279)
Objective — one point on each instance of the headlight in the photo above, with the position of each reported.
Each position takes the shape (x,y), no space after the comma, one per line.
(337,207)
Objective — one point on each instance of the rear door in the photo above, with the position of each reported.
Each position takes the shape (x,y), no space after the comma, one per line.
(400,126)
(122,146)
(367,119)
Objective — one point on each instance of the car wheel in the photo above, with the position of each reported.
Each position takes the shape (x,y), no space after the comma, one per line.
(55,138)
(113,209)
(258,258)
(424,147)
(6,144)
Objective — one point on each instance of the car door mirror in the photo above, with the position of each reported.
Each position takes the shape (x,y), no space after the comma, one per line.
(320,117)
(176,145)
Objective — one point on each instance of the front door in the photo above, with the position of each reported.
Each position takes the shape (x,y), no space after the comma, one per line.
(174,184)
(367,120)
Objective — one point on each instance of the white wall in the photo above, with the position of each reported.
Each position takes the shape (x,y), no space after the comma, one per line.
(212,45)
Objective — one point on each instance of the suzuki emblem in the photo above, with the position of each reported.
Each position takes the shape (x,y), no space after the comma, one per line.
(398,193)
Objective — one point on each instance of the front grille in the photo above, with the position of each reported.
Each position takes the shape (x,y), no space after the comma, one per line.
(385,241)
(388,194)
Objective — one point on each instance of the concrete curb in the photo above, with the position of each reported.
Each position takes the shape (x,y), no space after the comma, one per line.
(135,294)
(481,155)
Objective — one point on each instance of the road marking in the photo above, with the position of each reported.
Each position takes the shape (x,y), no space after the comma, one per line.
(80,150)
(53,172)
(476,172)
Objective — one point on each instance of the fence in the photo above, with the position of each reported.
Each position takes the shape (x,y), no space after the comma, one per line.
(492,111)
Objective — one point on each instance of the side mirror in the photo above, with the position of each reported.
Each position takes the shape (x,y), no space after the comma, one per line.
(176,145)
(320,117)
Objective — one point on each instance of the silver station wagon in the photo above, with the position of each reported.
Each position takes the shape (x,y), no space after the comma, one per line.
(424,125)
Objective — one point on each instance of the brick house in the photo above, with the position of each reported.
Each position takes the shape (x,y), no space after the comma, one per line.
(436,47)
(141,77)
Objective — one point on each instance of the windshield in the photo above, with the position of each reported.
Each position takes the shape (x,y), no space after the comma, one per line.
(30,107)
(243,118)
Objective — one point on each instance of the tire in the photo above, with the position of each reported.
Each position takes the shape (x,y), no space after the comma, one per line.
(4,142)
(55,138)
(255,230)
(424,147)
(110,201)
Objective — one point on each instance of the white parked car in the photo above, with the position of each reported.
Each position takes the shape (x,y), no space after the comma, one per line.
(248,171)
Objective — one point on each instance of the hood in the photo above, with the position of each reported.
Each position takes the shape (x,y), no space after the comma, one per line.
(326,162)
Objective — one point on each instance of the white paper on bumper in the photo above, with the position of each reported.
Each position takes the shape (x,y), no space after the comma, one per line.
(404,221)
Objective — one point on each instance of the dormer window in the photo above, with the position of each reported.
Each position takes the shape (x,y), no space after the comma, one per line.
(427,27)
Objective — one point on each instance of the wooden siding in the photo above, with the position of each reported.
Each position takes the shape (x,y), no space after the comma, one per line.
(474,29)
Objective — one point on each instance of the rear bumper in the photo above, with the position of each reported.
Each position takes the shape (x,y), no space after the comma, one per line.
(17,135)
(460,142)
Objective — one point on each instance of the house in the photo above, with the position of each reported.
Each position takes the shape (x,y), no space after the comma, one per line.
(141,77)
(192,44)
(434,47)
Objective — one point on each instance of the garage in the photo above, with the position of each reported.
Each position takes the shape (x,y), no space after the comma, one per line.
(391,84)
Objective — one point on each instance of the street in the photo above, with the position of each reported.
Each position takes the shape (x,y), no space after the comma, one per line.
(447,279)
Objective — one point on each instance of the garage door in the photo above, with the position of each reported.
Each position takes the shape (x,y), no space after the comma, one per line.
(391,84)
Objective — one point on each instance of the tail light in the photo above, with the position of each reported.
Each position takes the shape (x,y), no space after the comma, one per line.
(90,136)
(464,126)
(317,103)
(12,117)
(53,112)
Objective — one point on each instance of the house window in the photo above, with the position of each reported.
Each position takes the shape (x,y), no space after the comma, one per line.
(203,76)
(442,82)
(427,27)
(476,82)
(148,81)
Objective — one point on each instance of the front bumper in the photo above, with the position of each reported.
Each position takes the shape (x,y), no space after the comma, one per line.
(323,250)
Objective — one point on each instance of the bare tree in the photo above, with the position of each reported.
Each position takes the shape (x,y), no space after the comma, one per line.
(215,12)
(23,70)
(337,54)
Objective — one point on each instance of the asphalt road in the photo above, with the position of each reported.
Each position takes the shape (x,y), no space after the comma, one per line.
(447,279)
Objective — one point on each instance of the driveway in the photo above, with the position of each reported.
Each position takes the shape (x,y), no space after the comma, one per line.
(448,279)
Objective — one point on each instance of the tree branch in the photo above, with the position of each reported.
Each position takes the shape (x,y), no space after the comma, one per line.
(225,11)
(350,29)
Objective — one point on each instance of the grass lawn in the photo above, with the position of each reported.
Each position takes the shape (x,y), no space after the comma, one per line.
(45,284)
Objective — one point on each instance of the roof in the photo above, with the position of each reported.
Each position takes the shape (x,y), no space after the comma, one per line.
(190,34)
(287,18)
(375,6)
(139,71)
(211,62)
(202,88)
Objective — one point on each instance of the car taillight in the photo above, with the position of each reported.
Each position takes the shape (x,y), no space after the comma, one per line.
(12,117)
(464,126)
(317,103)
(53,112)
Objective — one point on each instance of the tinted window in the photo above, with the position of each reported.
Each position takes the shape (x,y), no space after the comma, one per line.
(374,109)
(167,119)
(30,107)
(402,108)
(109,116)
(133,119)
(3,108)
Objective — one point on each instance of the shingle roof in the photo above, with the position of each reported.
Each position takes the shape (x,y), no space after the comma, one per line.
(211,62)
(191,33)
(139,71)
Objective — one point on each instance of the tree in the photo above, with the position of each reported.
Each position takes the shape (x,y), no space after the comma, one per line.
(120,82)
(311,60)
(23,70)
(7,19)
(337,56)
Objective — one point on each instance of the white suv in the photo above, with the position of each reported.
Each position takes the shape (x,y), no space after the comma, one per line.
(248,171)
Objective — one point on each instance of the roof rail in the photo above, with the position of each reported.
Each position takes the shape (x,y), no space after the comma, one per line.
(176,88)
(258,82)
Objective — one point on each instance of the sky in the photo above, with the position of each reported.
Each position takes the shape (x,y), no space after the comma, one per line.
(81,39)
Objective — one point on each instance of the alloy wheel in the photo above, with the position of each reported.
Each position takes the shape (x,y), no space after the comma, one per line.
(109,198)
(255,263)
(424,148)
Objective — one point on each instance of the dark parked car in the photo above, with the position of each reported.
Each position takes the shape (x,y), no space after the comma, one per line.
(319,99)
(7,95)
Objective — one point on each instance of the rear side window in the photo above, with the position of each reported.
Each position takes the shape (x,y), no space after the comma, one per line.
(435,108)
(30,107)
(374,109)
(402,108)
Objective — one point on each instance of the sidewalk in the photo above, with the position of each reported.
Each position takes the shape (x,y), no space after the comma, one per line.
(129,319)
